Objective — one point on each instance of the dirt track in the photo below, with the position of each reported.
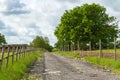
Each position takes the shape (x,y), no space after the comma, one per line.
(55,67)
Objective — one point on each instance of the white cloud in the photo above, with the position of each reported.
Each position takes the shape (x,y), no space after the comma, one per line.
(28,18)
(13,7)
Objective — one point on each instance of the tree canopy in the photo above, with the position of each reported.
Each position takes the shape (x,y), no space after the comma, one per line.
(82,24)
(41,42)
(2,39)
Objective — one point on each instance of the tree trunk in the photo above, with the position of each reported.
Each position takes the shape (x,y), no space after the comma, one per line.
(78,46)
(114,48)
(82,53)
(71,47)
(64,47)
(90,48)
(100,48)
(68,47)
(61,48)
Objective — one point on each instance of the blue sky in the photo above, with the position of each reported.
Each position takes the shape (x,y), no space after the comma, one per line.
(22,20)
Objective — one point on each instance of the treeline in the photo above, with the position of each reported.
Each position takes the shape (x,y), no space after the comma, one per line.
(38,42)
(41,42)
(86,26)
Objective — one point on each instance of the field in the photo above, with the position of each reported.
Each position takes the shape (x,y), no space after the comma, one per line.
(107,51)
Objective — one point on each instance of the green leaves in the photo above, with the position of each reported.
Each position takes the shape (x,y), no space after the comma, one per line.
(86,23)
(2,39)
(41,42)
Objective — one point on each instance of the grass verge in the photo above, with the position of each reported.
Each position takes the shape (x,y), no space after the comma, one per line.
(110,64)
(19,68)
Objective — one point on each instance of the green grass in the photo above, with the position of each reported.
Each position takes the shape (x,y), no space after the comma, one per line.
(19,68)
(106,63)
(107,51)
(69,54)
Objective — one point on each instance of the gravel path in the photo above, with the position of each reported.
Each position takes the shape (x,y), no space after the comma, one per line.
(56,67)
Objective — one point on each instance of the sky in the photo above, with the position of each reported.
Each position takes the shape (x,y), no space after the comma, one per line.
(22,20)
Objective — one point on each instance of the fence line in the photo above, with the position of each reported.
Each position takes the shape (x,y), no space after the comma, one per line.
(15,52)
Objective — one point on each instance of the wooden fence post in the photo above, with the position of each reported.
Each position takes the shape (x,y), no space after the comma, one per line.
(0,62)
(1,55)
(3,51)
(13,51)
(8,55)
(27,50)
(9,52)
(114,48)
(100,48)
(17,49)
(24,50)
(19,52)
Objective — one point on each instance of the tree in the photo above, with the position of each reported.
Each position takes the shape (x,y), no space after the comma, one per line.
(2,39)
(46,39)
(41,42)
(86,24)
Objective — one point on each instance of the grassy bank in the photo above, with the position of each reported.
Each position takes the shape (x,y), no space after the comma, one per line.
(19,68)
(69,54)
(106,63)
